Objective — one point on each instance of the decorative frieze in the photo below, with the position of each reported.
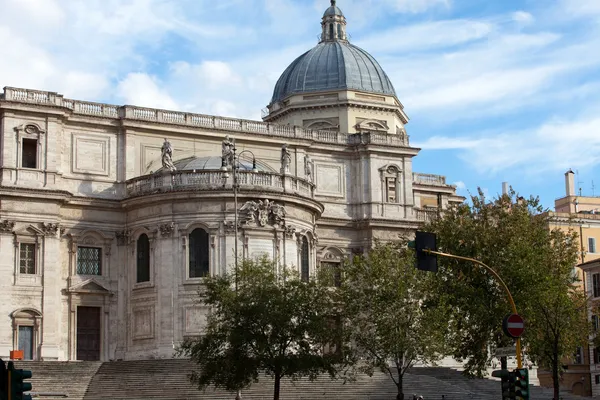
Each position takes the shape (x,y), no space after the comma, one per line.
(50,229)
(7,226)
(262,213)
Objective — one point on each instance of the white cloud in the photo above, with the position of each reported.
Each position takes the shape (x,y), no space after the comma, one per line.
(523,17)
(460,185)
(142,90)
(426,36)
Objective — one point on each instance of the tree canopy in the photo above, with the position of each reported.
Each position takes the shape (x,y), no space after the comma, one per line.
(391,317)
(512,236)
(274,324)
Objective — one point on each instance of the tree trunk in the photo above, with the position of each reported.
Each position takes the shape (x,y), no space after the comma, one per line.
(277,387)
(400,395)
(555,381)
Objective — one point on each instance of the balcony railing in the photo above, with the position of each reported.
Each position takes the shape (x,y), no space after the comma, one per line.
(429,179)
(200,120)
(426,215)
(217,180)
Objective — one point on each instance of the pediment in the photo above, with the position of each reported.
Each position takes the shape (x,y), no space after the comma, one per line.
(29,230)
(90,286)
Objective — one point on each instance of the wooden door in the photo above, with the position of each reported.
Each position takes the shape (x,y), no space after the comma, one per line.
(88,333)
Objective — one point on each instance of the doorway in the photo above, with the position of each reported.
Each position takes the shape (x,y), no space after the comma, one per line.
(26,341)
(88,333)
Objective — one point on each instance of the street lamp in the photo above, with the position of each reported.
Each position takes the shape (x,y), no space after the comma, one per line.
(235,167)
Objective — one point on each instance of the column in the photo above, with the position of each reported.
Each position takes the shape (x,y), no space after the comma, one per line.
(50,265)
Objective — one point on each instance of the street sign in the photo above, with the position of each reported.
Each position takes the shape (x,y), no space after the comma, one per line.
(513,325)
(506,351)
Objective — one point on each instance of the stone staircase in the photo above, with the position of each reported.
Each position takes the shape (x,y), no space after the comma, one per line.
(69,377)
(167,379)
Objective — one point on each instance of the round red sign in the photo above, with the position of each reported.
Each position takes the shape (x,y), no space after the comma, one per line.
(513,325)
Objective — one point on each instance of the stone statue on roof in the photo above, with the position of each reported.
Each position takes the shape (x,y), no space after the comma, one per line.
(286,159)
(227,151)
(167,156)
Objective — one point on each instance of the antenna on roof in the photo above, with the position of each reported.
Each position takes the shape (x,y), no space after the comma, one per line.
(578,182)
(593,187)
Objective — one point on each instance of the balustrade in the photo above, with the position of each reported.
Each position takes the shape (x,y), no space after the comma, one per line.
(429,179)
(205,121)
(211,180)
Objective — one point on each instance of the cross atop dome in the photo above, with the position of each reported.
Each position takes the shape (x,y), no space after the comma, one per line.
(333,25)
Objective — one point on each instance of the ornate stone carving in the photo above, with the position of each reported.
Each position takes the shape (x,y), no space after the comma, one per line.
(290,231)
(229,226)
(50,229)
(167,156)
(166,229)
(286,159)
(122,237)
(308,168)
(7,226)
(227,152)
(262,213)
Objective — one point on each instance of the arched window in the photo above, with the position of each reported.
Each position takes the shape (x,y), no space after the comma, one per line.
(304,260)
(143,258)
(339,29)
(331,31)
(198,262)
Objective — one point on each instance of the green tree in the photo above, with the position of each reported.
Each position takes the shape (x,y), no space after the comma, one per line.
(274,324)
(558,323)
(391,317)
(512,236)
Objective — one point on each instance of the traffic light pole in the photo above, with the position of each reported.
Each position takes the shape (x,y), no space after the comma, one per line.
(510,298)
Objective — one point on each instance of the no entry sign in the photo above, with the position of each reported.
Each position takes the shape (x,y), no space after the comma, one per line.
(513,325)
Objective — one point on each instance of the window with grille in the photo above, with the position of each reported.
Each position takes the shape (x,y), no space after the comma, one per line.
(198,252)
(29,155)
(27,258)
(596,285)
(304,260)
(89,261)
(143,258)
(591,245)
(391,189)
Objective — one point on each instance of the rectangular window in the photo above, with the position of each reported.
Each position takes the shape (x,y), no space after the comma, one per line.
(89,261)
(390,184)
(595,322)
(596,285)
(27,258)
(29,156)
(332,273)
(591,245)
(578,359)
(596,356)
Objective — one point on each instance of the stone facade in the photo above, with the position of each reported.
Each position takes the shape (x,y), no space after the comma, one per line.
(111,216)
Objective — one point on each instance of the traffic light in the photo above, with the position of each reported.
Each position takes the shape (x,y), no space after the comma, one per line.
(507,379)
(425,241)
(522,384)
(16,386)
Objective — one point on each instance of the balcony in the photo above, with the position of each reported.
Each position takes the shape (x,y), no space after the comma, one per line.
(216,180)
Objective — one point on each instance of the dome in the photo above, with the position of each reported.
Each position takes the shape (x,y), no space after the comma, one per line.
(333,10)
(333,65)
(214,163)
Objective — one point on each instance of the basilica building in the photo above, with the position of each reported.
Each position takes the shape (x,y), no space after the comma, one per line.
(111,216)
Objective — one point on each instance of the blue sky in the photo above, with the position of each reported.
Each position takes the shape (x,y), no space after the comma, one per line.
(496,90)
